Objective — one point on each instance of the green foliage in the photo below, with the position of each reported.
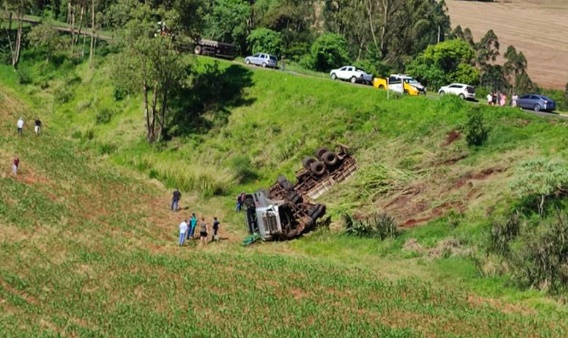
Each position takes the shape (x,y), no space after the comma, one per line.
(540,179)
(446,62)
(104,115)
(244,169)
(264,40)
(227,22)
(46,37)
(476,129)
(24,76)
(381,226)
(502,233)
(329,51)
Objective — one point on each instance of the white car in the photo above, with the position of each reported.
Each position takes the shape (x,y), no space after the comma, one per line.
(351,73)
(464,91)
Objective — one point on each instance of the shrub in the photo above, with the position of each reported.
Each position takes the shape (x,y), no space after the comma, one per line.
(107,148)
(24,76)
(264,40)
(503,233)
(379,226)
(243,169)
(543,261)
(477,132)
(104,116)
(539,180)
(63,94)
(328,51)
(119,93)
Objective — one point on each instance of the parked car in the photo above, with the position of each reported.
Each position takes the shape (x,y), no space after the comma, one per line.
(351,73)
(536,102)
(262,59)
(464,91)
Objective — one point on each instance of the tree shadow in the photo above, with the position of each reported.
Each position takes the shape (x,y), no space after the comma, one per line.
(208,101)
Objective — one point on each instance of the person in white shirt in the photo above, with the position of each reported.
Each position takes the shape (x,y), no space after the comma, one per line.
(20,125)
(182,232)
(514,100)
(490,99)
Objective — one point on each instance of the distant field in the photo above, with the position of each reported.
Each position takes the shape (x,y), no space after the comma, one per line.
(536,27)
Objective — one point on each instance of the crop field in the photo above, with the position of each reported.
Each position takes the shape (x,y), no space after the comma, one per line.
(88,245)
(535,27)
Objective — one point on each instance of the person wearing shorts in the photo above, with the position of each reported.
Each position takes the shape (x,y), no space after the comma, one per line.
(37,126)
(216,224)
(203,231)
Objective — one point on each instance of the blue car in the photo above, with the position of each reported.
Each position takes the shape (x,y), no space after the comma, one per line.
(536,102)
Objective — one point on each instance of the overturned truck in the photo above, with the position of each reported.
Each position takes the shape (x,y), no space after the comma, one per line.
(285,211)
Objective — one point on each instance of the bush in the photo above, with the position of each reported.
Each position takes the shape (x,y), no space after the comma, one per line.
(63,94)
(24,76)
(264,40)
(119,93)
(104,116)
(243,169)
(503,233)
(475,128)
(379,226)
(329,51)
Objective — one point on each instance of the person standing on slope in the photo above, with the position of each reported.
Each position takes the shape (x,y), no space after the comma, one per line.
(203,231)
(176,196)
(182,232)
(216,224)
(20,125)
(192,226)
(15,165)
(37,126)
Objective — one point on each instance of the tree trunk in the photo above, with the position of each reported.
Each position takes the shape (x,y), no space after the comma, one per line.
(16,55)
(9,34)
(93,32)
(149,131)
(371,26)
(73,7)
(162,120)
(81,28)
(153,112)
(386,9)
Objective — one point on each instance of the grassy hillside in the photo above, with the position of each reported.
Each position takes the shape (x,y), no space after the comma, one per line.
(91,245)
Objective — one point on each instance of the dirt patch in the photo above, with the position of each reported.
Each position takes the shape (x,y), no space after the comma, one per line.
(478,176)
(504,307)
(452,136)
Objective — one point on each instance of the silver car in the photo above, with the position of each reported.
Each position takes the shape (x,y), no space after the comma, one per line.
(262,59)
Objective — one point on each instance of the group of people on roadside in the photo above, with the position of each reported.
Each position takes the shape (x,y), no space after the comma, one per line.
(500,99)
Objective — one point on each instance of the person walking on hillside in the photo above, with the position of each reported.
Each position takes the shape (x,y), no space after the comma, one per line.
(216,224)
(239,203)
(182,232)
(15,165)
(37,126)
(176,196)
(192,226)
(203,231)
(503,100)
(20,125)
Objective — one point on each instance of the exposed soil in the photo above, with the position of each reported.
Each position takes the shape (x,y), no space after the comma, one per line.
(537,28)
(453,136)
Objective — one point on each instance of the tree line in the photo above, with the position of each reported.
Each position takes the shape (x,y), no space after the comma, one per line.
(380,36)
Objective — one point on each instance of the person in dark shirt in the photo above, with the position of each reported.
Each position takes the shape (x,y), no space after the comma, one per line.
(175,200)
(216,224)
(15,165)
(37,126)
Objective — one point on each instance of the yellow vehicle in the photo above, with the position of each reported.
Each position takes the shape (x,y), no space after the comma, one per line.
(400,83)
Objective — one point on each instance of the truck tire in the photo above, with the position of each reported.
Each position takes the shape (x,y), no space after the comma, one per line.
(381,87)
(247,61)
(353,79)
(264,65)
(319,153)
(317,212)
(333,76)
(197,50)
(317,168)
(330,158)
(307,161)
(294,197)
(284,183)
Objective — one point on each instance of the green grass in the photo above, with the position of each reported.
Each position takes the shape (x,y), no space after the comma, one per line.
(89,244)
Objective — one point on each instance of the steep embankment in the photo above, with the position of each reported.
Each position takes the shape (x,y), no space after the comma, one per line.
(88,247)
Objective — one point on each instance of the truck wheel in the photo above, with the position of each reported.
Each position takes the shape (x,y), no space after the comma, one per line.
(284,183)
(319,153)
(247,61)
(333,76)
(294,197)
(330,158)
(462,96)
(317,211)
(317,168)
(381,87)
(307,161)
(197,50)
(353,79)
(441,93)
(264,65)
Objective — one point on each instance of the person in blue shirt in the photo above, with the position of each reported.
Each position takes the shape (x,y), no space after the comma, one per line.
(192,226)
